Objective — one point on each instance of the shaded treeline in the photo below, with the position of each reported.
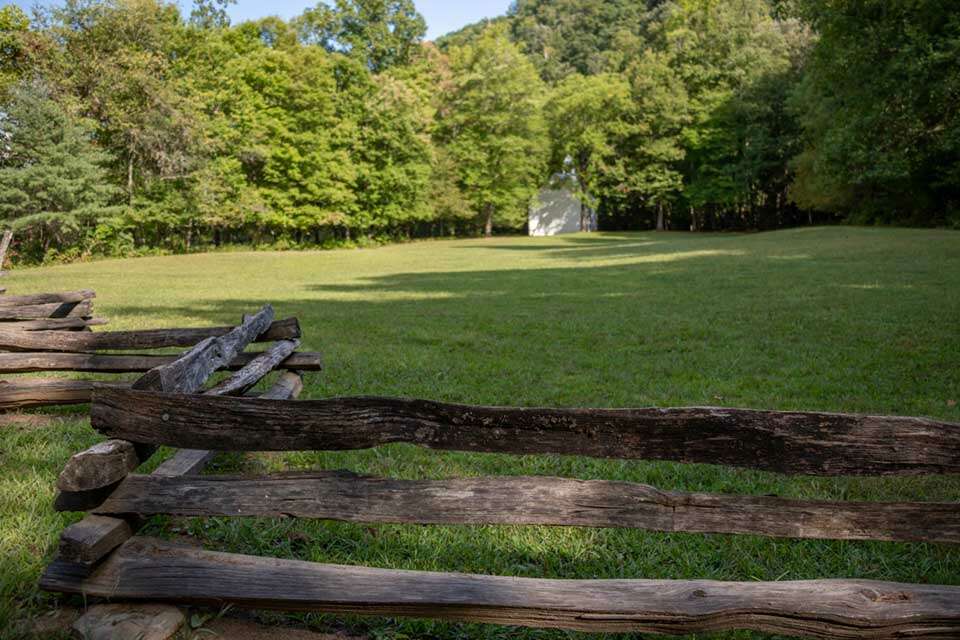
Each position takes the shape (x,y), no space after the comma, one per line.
(129,127)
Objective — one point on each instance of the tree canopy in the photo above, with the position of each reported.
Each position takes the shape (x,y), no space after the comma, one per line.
(178,131)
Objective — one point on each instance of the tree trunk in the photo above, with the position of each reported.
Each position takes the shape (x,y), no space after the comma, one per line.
(583,217)
(694,223)
(130,178)
(488,221)
(660,225)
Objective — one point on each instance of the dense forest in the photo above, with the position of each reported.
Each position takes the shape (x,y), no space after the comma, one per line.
(129,127)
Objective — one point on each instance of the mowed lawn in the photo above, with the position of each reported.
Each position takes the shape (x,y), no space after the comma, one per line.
(834,319)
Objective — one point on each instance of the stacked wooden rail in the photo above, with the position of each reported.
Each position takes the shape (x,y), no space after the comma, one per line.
(113,564)
(51,332)
(92,474)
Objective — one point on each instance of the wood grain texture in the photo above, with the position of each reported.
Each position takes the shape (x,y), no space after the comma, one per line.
(46,298)
(129,363)
(183,463)
(4,246)
(256,369)
(52,310)
(23,393)
(145,569)
(92,538)
(188,372)
(16,340)
(287,387)
(784,442)
(87,541)
(55,324)
(528,501)
(100,465)
(182,374)
(87,470)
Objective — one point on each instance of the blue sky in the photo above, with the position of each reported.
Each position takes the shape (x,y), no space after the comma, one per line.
(442,16)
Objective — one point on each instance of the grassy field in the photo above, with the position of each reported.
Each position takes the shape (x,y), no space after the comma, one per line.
(837,319)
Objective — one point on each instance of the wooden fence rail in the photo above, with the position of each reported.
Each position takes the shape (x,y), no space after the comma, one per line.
(55,324)
(144,569)
(46,298)
(45,332)
(92,474)
(529,501)
(783,442)
(101,557)
(133,363)
(26,393)
(18,340)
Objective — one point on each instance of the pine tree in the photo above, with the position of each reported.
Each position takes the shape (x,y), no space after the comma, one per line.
(53,187)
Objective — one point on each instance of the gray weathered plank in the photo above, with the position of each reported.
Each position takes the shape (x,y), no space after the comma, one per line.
(54,324)
(529,501)
(188,373)
(81,309)
(190,461)
(92,538)
(785,442)
(24,362)
(46,298)
(287,387)
(89,540)
(22,393)
(256,369)
(184,462)
(99,466)
(4,246)
(184,374)
(145,569)
(16,340)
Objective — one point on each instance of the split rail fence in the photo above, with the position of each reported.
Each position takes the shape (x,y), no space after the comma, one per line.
(50,332)
(100,556)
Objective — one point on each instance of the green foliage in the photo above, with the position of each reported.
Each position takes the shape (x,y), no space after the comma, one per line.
(734,59)
(807,319)
(879,107)
(53,187)
(652,147)
(14,32)
(342,126)
(577,36)
(585,116)
(210,14)
(380,33)
(115,60)
(492,125)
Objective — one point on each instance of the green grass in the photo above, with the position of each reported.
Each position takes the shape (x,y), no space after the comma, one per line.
(837,319)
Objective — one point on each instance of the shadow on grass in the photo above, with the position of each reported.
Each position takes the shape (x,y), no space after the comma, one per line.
(682,328)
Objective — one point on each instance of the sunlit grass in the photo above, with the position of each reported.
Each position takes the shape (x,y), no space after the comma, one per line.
(837,319)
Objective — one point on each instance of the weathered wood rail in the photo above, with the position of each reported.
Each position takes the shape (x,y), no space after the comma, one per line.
(783,442)
(145,569)
(47,332)
(101,557)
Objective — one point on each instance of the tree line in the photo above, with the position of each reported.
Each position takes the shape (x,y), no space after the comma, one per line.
(129,127)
